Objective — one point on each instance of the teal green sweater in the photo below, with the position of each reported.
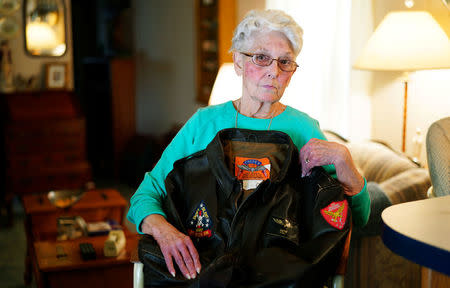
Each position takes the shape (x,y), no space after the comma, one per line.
(199,131)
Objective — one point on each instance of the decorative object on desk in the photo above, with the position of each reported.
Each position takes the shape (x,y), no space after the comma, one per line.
(70,227)
(60,253)
(6,73)
(406,41)
(45,27)
(115,243)
(65,198)
(55,76)
(87,251)
(102,227)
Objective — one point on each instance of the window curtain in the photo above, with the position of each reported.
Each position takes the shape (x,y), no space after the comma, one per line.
(321,85)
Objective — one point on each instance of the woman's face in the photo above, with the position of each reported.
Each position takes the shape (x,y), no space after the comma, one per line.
(264,84)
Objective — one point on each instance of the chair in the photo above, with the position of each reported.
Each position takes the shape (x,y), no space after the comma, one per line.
(438,156)
(138,269)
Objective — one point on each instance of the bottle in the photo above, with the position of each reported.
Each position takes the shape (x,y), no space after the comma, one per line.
(417,145)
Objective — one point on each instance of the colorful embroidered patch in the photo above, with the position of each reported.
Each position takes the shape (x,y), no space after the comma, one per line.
(200,223)
(336,214)
(252,169)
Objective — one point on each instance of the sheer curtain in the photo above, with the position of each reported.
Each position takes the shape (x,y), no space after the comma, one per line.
(321,85)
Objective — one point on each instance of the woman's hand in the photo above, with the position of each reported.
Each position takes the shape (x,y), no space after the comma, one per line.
(320,152)
(173,244)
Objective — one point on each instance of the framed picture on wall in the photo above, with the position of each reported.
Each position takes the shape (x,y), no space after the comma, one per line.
(56,75)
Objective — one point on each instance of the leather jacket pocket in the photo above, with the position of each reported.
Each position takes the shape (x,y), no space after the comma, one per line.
(281,232)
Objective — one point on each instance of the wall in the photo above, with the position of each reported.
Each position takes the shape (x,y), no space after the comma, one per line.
(28,65)
(165,72)
(360,109)
(428,94)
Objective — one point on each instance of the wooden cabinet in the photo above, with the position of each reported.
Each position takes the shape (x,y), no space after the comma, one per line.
(44,143)
(215,21)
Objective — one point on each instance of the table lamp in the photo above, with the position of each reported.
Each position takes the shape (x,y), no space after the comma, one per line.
(406,41)
(227,86)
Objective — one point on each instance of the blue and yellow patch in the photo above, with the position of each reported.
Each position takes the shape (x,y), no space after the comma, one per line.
(200,223)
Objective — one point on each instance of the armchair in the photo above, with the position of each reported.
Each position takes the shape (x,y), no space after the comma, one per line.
(438,156)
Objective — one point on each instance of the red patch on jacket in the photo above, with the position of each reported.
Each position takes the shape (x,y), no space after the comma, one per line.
(336,214)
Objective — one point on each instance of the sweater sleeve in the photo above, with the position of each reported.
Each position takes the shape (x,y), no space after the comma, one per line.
(148,197)
(360,205)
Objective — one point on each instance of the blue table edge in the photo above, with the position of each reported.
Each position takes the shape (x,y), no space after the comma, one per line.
(416,251)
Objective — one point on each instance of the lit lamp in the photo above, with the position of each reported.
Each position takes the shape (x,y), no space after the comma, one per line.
(45,27)
(406,41)
(227,86)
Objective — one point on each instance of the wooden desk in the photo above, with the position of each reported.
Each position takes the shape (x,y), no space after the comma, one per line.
(41,216)
(420,232)
(73,271)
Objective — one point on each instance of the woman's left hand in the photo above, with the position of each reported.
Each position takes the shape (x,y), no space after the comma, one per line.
(320,152)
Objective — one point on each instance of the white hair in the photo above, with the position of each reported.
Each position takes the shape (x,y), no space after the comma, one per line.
(266,21)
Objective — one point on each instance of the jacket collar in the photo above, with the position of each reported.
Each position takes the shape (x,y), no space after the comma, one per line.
(216,156)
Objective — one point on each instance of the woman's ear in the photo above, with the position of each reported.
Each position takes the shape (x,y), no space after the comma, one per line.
(238,63)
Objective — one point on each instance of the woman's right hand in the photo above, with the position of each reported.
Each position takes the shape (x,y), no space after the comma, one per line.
(173,244)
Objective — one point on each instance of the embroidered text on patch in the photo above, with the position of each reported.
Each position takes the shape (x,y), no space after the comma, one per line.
(336,214)
(250,168)
(200,223)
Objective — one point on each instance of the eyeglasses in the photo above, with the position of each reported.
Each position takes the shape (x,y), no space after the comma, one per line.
(264,60)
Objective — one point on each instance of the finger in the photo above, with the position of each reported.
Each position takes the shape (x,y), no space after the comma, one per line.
(180,262)
(194,255)
(169,262)
(188,261)
(304,160)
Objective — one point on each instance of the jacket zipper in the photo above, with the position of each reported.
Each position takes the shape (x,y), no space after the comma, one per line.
(233,222)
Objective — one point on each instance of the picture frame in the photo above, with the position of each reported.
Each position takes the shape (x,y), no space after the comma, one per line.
(56,76)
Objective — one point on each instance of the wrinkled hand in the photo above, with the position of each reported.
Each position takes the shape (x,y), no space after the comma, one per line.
(320,152)
(173,244)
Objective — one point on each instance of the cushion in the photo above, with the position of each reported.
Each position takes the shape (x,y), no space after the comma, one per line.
(407,186)
(377,161)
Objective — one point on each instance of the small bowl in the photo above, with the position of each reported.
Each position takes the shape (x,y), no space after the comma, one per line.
(65,198)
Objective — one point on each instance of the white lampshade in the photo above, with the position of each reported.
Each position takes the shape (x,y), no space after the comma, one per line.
(227,86)
(406,41)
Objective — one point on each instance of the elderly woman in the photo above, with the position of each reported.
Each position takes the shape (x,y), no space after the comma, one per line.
(264,46)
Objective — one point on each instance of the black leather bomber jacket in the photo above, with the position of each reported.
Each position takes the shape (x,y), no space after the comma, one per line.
(287,232)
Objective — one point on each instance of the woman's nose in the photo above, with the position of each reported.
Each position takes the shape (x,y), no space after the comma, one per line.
(273,69)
